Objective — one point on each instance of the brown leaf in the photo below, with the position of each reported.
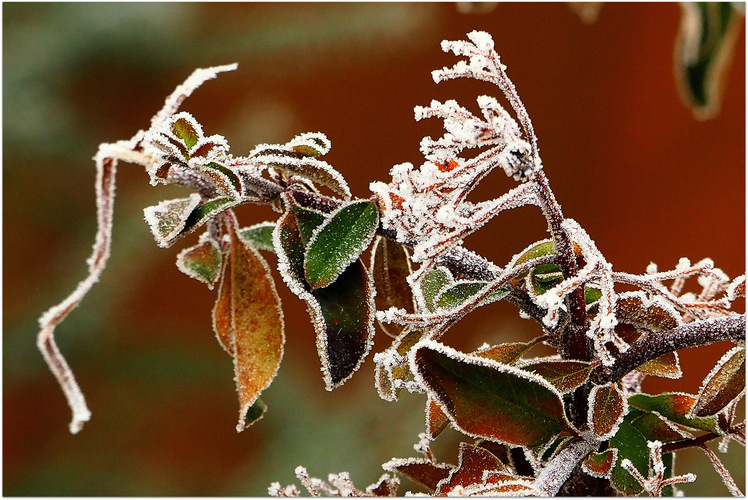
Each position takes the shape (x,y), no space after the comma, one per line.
(607,407)
(473,461)
(565,374)
(724,384)
(419,470)
(436,419)
(390,268)
(249,323)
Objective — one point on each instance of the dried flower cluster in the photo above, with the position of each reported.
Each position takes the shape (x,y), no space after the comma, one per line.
(574,423)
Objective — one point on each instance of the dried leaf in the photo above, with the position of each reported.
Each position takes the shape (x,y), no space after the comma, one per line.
(436,419)
(507,353)
(565,374)
(342,313)
(419,470)
(472,462)
(724,384)
(487,399)
(600,464)
(607,407)
(339,241)
(202,261)
(169,218)
(667,366)
(635,308)
(390,268)
(249,324)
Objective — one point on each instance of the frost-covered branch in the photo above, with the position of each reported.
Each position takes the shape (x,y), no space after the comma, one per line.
(654,345)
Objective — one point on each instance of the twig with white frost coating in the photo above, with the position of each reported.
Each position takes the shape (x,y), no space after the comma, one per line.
(106,167)
(653,345)
(559,468)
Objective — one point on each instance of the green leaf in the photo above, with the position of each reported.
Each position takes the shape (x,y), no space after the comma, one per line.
(631,444)
(607,406)
(338,241)
(674,406)
(249,324)
(202,261)
(342,313)
(432,284)
(488,399)
(461,291)
(724,384)
(168,219)
(206,211)
(186,130)
(259,236)
(390,268)
(565,374)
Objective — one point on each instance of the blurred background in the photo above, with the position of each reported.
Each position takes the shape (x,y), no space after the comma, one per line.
(624,156)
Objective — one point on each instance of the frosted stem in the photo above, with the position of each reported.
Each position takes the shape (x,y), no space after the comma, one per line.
(105,177)
(652,346)
(559,469)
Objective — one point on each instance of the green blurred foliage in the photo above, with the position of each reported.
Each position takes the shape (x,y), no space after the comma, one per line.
(624,156)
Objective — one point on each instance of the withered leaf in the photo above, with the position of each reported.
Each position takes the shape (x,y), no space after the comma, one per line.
(565,374)
(473,461)
(724,384)
(600,464)
(390,268)
(607,407)
(419,470)
(249,324)
(488,399)
(436,419)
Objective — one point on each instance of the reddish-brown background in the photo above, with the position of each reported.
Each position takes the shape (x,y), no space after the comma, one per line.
(624,157)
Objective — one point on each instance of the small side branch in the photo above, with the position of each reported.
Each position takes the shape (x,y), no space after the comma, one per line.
(654,345)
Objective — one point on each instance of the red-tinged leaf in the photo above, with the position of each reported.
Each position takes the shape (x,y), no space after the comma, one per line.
(675,407)
(167,219)
(202,261)
(342,313)
(253,325)
(724,384)
(636,309)
(206,211)
(487,399)
(607,407)
(419,470)
(507,353)
(600,464)
(436,419)
(473,461)
(565,374)
(226,180)
(666,366)
(385,487)
(390,268)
